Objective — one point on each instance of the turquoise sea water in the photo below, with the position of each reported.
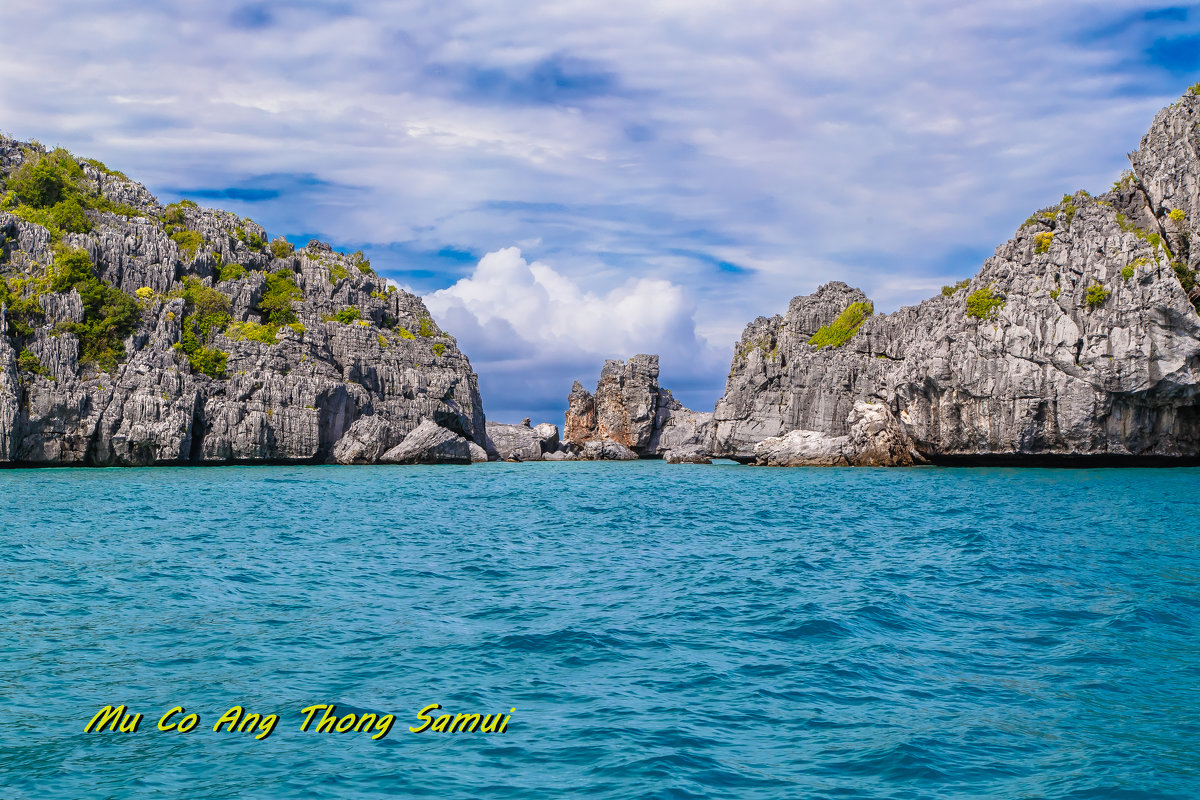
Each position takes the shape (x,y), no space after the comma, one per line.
(662,631)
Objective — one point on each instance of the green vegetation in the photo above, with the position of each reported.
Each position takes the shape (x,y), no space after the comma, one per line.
(1128,271)
(842,329)
(383,342)
(251,239)
(1041,241)
(145,293)
(1054,293)
(230,272)
(1097,295)
(48,181)
(20,296)
(439,349)
(1177,215)
(427,328)
(405,333)
(1069,205)
(1153,239)
(280,291)
(984,304)
(362,262)
(337,272)
(173,214)
(281,247)
(346,316)
(206,313)
(1194,90)
(28,362)
(189,242)
(297,327)
(1127,180)
(109,315)
(175,224)
(253,331)
(1187,278)
(949,291)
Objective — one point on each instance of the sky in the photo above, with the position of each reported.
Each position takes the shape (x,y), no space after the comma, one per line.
(574,181)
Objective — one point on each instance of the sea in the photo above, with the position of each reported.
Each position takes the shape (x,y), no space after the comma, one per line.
(638,630)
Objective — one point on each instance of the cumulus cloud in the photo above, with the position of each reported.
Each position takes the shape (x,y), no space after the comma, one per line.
(530,331)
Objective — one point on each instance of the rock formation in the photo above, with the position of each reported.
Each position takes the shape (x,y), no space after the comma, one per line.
(133,334)
(1077,340)
(430,443)
(514,442)
(631,410)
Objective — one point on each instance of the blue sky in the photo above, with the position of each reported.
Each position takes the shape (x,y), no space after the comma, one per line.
(573,181)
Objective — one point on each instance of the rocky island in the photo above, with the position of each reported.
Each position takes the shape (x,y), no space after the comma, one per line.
(1077,342)
(133,333)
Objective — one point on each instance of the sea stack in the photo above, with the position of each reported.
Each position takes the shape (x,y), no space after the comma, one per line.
(630,416)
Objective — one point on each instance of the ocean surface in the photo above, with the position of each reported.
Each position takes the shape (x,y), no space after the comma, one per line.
(661,631)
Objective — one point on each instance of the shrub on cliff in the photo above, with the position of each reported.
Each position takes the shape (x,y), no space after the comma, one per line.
(109,315)
(51,190)
(28,362)
(230,272)
(281,247)
(346,316)
(362,262)
(206,312)
(842,329)
(984,304)
(1096,296)
(276,302)
(949,291)
(253,331)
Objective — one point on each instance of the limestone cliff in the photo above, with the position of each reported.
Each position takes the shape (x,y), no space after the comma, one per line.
(133,333)
(1077,340)
(630,416)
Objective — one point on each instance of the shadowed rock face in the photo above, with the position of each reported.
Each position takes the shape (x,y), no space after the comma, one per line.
(630,409)
(376,375)
(1092,348)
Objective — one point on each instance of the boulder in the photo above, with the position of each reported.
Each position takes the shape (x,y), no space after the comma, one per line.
(366,441)
(514,442)
(606,450)
(478,454)
(547,436)
(429,443)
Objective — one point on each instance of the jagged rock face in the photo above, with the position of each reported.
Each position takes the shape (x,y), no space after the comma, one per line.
(632,410)
(290,398)
(876,439)
(606,450)
(1047,373)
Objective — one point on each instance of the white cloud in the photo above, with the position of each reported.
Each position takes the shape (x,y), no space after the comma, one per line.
(515,318)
